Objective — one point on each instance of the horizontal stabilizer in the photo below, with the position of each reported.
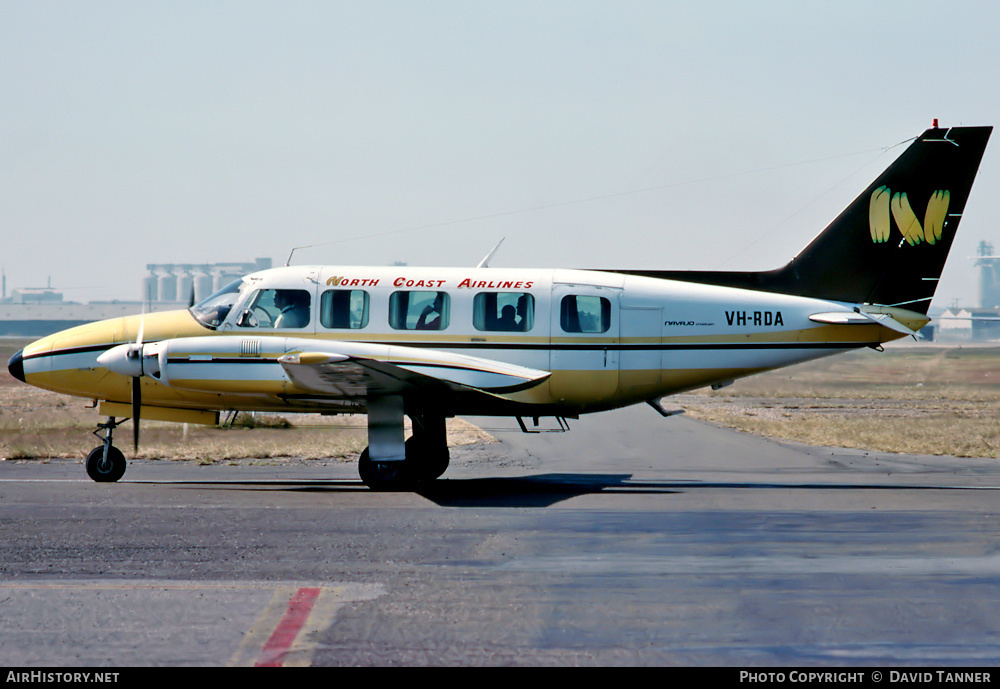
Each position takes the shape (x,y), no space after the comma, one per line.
(841,318)
(895,319)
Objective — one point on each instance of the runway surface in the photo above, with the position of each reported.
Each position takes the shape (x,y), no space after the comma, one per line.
(632,540)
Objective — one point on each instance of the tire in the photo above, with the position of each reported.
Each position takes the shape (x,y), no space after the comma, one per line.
(106,472)
(383,475)
(426,463)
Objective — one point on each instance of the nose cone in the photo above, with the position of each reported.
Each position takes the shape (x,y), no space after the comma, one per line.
(16,366)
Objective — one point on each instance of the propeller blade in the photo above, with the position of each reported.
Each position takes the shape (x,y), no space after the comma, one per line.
(136,405)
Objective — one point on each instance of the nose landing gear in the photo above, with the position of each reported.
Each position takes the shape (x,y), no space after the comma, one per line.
(106,463)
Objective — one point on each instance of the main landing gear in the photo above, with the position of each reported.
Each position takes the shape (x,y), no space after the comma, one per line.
(426,455)
(396,465)
(106,463)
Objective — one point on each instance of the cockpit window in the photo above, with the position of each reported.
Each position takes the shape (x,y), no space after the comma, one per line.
(276,308)
(212,310)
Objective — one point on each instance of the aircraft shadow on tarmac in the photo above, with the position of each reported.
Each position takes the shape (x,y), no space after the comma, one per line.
(543,490)
(540,490)
(529,491)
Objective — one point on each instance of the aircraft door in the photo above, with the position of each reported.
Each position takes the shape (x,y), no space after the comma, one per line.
(641,364)
(584,344)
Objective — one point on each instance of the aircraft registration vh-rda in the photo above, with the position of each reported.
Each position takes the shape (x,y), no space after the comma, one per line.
(433,343)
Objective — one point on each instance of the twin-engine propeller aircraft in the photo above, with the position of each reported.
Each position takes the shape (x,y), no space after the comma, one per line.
(432,343)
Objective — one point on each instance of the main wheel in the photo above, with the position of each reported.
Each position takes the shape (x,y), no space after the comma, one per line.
(105,471)
(383,475)
(427,462)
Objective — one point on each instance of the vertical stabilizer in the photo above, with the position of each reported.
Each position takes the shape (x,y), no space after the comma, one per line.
(890,245)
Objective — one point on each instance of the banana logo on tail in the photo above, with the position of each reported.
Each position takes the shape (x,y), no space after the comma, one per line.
(884,202)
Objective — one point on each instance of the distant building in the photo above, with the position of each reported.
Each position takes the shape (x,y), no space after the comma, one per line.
(985,324)
(978,325)
(982,324)
(40,319)
(35,295)
(180,282)
(40,311)
(954,324)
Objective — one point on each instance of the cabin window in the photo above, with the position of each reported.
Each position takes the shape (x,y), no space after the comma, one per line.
(503,311)
(419,310)
(585,314)
(277,308)
(344,308)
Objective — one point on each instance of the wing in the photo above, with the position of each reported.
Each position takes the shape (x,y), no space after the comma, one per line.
(352,369)
(332,372)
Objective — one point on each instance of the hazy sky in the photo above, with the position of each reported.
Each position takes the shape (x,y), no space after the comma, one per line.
(709,135)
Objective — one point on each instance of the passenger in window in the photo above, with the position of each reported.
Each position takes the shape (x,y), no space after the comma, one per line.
(430,309)
(294,308)
(523,324)
(508,319)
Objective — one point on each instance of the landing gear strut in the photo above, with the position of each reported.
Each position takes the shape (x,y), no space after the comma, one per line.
(106,463)
(426,457)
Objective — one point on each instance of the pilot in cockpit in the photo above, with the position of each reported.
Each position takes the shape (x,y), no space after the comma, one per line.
(294,308)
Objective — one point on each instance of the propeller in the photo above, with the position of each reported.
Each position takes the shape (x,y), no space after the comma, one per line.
(137,386)
(128,360)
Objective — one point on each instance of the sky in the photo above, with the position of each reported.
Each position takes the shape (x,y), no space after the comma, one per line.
(619,134)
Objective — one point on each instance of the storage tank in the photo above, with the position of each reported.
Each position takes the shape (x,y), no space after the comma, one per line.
(149,287)
(203,283)
(167,285)
(185,284)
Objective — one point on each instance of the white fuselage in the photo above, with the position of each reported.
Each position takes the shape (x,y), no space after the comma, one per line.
(608,339)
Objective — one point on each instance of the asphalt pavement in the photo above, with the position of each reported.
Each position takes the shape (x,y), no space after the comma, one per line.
(631,540)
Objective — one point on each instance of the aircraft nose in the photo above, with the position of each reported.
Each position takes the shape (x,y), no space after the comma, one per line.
(16,366)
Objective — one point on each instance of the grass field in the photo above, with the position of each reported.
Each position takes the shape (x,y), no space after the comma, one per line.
(921,399)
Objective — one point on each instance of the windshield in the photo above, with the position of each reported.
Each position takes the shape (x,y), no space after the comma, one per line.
(212,310)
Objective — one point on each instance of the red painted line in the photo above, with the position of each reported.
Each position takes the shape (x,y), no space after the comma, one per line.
(273,654)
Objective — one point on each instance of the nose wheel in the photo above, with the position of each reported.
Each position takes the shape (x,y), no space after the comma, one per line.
(106,463)
(105,469)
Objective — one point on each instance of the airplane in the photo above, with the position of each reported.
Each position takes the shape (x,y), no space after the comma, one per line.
(434,343)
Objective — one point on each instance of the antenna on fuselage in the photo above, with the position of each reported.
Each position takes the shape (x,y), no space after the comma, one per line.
(485,263)
(294,249)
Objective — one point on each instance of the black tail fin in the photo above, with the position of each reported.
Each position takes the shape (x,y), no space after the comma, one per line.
(889,246)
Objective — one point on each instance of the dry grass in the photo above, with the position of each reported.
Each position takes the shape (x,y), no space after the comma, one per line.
(920,399)
(39,424)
